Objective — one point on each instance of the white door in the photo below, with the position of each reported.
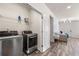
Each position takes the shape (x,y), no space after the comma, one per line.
(75,28)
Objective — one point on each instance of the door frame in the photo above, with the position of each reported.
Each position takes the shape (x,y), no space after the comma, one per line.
(51,21)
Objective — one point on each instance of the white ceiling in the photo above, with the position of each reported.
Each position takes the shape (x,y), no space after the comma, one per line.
(60,9)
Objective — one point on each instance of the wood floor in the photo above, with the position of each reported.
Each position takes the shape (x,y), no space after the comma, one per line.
(71,48)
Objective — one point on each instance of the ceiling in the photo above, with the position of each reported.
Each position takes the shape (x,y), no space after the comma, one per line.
(60,9)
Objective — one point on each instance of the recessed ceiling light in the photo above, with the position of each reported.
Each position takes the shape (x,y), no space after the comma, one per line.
(68,7)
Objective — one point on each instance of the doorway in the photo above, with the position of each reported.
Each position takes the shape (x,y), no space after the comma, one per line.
(75,29)
(51,29)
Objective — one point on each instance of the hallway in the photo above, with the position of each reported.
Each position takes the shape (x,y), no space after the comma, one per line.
(62,49)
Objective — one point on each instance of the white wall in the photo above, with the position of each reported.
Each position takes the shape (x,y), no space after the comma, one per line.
(41,7)
(35,26)
(71,27)
(65,26)
(56,25)
(9,17)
